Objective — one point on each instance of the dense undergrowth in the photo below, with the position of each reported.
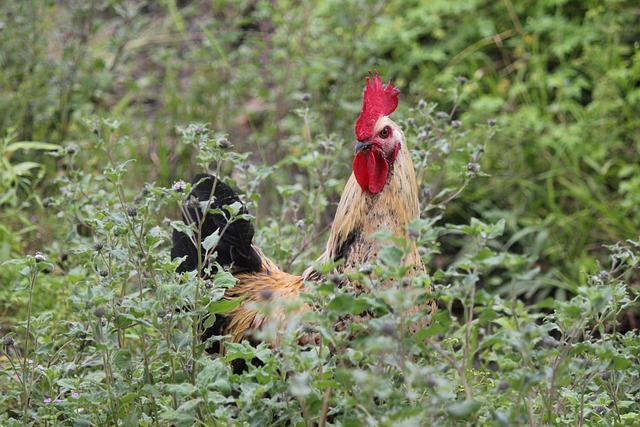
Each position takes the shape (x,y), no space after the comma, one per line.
(522,121)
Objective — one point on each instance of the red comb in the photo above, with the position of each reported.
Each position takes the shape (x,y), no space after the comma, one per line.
(377,101)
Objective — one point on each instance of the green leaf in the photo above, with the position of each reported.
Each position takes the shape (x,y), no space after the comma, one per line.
(16,261)
(181,227)
(234,208)
(67,384)
(382,235)
(347,304)
(497,229)
(441,321)
(391,255)
(22,168)
(155,236)
(242,350)
(209,321)
(122,359)
(224,279)
(184,416)
(463,409)
(224,306)
(132,417)
(479,228)
(129,397)
(26,271)
(211,241)
(213,376)
(620,362)
(299,384)
(125,320)
(183,389)
(31,145)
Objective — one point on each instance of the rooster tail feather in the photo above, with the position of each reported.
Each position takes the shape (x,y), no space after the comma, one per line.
(235,248)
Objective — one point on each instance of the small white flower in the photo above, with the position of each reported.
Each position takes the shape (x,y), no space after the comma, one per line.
(179,186)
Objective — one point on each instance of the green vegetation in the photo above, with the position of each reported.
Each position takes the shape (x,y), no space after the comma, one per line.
(522,119)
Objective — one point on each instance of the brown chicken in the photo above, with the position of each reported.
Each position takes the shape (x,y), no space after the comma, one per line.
(381,194)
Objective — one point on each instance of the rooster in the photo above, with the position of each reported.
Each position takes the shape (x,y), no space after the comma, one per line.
(381,194)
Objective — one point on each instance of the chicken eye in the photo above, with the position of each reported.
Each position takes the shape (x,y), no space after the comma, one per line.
(384,133)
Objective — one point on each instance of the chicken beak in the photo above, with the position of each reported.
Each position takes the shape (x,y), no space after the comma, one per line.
(361,145)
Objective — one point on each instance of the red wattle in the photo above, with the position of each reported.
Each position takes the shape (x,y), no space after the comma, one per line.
(360,170)
(371,170)
(378,171)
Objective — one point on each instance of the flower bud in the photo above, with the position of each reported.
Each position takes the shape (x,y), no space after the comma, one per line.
(473,167)
(388,329)
(192,203)
(426,193)
(334,278)
(132,211)
(266,294)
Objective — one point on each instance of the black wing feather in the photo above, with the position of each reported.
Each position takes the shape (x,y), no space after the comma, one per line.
(235,246)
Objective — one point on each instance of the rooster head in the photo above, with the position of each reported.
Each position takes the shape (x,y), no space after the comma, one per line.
(378,138)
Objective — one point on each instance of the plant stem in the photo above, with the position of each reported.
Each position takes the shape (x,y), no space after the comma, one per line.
(325,407)
(107,369)
(26,384)
(458,367)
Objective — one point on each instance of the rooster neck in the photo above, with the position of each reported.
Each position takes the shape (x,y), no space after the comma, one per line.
(361,213)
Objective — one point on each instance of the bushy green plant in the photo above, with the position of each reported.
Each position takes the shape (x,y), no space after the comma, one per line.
(123,344)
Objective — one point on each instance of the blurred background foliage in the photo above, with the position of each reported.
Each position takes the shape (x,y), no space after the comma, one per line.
(561,78)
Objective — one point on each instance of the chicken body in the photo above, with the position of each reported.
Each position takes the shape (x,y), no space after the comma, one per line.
(362,213)
(380,195)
